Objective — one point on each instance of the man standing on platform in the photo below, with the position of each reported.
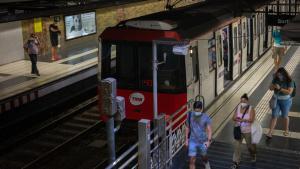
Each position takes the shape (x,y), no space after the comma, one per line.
(32,48)
(54,33)
(198,134)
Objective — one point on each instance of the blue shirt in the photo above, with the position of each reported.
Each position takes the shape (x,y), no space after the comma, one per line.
(282,84)
(277,37)
(198,125)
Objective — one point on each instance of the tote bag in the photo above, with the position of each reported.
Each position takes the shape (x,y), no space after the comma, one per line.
(256,132)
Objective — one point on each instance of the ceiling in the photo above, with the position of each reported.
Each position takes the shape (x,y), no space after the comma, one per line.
(12,10)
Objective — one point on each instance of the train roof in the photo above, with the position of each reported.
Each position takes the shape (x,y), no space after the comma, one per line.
(188,22)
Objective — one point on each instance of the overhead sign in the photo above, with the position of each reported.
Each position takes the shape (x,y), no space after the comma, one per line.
(278,20)
(180,49)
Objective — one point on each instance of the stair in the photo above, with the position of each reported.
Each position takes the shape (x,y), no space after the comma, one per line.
(220,157)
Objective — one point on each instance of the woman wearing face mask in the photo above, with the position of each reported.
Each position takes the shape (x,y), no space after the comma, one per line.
(282,85)
(244,117)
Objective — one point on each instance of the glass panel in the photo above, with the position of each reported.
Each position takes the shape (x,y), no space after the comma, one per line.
(168,72)
(211,53)
(220,59)
(254,27)
(244,35)
(234,40)
(127,66)
(145,64)
(240,37)
(195,60)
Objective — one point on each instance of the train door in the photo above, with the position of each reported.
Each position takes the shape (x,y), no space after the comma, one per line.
(192,71)
(255,37)
(219,63)
(226,55)
(236,53)
(244,44)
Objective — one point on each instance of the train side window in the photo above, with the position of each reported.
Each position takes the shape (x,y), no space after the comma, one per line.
(127,69)
(113,55)
(254,27)
(195,60)
(220,59)
(240,36)
(244,35)
(234,40)
(211,54)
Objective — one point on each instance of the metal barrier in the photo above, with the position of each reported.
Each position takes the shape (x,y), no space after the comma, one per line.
(127,158)
(158,147)
(158,144)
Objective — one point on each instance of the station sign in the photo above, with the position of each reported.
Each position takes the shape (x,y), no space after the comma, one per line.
(278,20)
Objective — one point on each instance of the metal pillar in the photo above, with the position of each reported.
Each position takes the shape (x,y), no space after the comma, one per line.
(154,69)
(110,134)
(144,156)
(160,125)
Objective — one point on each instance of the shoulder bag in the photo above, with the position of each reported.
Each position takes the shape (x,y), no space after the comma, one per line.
(237,132)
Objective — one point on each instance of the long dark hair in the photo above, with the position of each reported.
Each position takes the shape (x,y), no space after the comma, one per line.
(285,74)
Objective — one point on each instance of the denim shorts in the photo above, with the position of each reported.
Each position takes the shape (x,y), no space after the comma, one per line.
(282,108)
(194,147)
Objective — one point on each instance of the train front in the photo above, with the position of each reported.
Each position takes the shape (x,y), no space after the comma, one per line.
(126,54)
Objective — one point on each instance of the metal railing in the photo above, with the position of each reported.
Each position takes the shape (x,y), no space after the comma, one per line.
(156,147)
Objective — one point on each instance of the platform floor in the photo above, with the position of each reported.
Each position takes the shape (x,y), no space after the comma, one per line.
(16,78)
(282,152)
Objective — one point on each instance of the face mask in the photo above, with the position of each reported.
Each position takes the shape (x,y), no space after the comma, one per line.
(198,113)
(243,105)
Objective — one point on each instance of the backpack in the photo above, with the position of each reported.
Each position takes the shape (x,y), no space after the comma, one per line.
(28,45)
(294,89)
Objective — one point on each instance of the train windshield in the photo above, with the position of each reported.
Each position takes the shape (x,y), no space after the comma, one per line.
(134,67)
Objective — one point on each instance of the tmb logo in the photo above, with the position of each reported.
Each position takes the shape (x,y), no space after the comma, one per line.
(136,99)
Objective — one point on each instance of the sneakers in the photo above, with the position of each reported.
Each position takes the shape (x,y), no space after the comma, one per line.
(207,165)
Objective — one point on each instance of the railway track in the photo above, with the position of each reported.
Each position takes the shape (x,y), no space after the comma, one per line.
(40,147)
(41,143)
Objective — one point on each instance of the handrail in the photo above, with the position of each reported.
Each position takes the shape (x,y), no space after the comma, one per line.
(112,165)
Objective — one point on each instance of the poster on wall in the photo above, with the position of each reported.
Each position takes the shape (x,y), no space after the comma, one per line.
(80,25)
(38,27)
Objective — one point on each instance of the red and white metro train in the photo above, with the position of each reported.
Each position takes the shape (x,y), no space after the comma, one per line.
(220,48)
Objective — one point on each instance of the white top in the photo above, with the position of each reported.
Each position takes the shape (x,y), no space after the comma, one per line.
(245,126)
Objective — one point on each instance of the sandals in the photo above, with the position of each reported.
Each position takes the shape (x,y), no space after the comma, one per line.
(269,136)
(286,133)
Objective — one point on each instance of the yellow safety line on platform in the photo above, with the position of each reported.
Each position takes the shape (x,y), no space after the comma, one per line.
(295,135)
(77,55)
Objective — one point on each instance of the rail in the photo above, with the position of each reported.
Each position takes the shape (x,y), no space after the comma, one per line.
(122,157)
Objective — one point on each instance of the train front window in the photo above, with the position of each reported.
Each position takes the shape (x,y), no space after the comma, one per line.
(134,68)
(127,67)
(170,73)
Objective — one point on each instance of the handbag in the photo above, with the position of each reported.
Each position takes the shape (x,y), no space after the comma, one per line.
(273,102)
(237,132)
(256,132)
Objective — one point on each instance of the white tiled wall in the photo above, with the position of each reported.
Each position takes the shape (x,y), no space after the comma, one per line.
(11,42)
